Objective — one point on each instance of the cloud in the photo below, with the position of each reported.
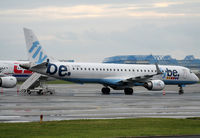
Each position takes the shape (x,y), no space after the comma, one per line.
(90,11)
(83,30)
(155,14)
(166,4)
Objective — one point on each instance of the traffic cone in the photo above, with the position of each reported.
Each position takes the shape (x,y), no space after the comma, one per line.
(163,92)
(41,118)
(17,90)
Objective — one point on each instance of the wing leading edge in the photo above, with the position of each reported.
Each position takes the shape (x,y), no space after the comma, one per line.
(141,78)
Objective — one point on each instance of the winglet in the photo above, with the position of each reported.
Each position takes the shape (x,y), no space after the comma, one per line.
(157,69)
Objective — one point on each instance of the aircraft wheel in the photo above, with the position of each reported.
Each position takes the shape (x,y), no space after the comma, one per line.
(50,92)
(105,91)
(181,92)
(39,92)
(29,92)
(128,91)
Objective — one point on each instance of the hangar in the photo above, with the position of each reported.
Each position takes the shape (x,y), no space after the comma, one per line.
(189,61)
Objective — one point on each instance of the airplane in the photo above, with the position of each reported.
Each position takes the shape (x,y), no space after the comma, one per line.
(11,73)
(115,76)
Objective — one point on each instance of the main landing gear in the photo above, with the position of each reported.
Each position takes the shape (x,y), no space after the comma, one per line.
(128,91)
(181,91)
(106,91)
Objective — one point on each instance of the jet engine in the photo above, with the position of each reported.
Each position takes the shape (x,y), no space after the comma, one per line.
(154,85)
(8,82)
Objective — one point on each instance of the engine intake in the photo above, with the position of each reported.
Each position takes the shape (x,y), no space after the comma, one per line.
(154,85)
(8,82)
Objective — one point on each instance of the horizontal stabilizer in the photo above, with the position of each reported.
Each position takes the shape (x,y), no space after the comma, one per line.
(32,68)
(40,66)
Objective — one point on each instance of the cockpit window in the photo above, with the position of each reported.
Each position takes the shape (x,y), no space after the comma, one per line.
(191,71)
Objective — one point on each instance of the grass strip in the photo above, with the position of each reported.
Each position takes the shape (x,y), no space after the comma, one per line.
(102,128)
(59,82)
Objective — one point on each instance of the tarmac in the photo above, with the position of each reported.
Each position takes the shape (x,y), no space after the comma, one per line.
(74,101)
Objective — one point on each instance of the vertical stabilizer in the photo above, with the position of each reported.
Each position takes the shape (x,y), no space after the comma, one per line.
(36,53)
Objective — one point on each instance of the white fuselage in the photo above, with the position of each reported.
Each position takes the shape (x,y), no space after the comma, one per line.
(12,68)
(111,74)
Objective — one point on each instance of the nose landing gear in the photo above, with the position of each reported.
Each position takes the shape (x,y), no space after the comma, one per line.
(181,91)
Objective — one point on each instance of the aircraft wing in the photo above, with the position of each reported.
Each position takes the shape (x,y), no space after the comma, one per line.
(141,78)
(2,75)
(5,74)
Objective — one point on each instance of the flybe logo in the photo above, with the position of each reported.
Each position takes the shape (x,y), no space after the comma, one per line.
(170,74)
(36,48)
(61,70)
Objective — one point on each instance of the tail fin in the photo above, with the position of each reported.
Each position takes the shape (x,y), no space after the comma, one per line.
(36,53)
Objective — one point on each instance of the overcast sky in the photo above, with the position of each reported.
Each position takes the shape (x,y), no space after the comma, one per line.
(89,30)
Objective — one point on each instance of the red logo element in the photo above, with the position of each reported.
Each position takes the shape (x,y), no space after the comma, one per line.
(19,70)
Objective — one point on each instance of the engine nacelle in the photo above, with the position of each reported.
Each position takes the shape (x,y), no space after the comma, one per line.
(8,82)
(154,85)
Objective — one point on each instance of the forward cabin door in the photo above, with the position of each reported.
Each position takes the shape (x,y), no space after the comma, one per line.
(185,74)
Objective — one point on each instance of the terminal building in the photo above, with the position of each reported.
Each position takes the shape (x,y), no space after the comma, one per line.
(189,61)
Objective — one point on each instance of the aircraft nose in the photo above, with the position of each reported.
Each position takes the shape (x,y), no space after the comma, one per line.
(196,78)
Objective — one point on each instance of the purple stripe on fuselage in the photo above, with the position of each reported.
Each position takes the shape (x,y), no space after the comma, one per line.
(21,75)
